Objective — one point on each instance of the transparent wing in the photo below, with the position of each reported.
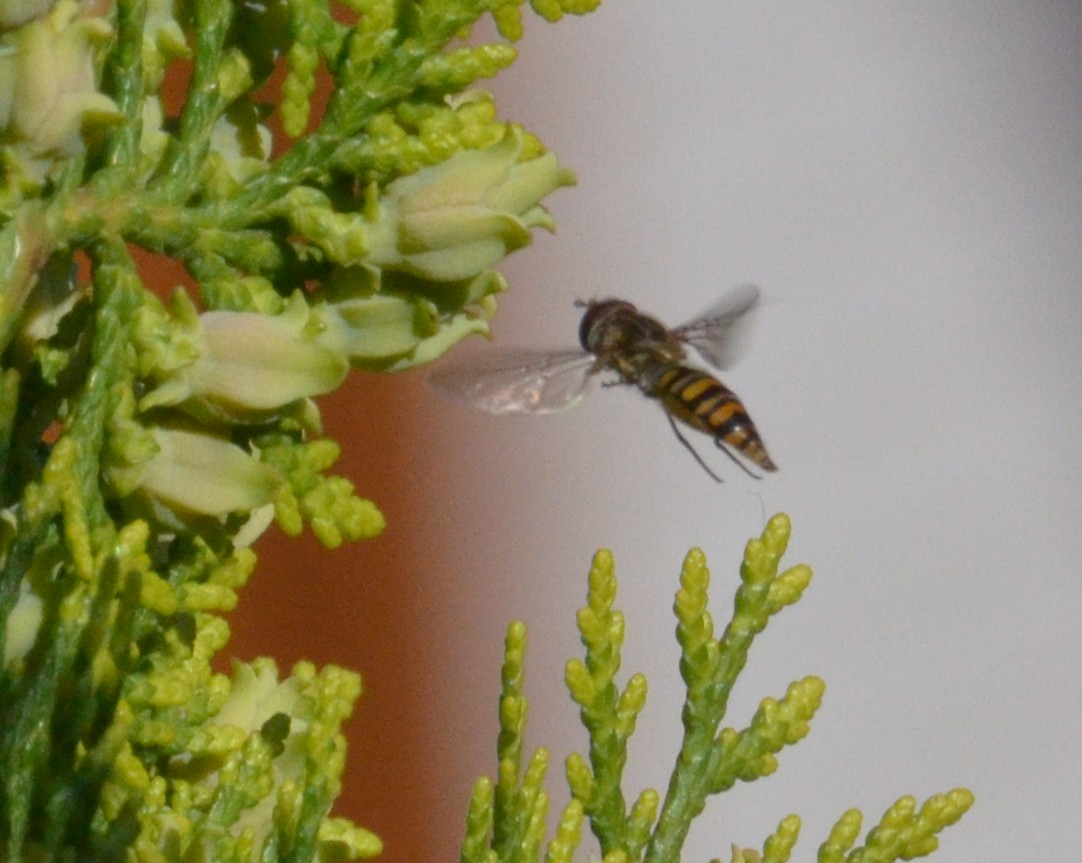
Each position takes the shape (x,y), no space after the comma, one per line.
(720,333)
(510,380)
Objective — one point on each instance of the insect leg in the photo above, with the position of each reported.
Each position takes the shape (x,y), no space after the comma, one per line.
(691,449)
(721,445)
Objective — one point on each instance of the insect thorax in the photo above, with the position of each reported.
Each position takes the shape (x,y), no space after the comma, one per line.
(627,341)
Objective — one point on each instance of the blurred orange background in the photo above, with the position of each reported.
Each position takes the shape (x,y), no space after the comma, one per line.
(370,607)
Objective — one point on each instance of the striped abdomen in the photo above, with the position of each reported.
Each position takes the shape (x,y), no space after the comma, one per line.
(706,404)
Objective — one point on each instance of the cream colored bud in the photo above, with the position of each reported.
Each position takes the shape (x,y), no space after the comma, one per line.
(381,330)
(453,220)
(199,474)
(50,89)
(251,363)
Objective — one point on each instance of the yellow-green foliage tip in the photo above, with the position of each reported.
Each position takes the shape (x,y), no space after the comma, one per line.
(711,759)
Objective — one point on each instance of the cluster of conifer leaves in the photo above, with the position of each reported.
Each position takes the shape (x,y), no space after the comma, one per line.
(145,443)
(506,821)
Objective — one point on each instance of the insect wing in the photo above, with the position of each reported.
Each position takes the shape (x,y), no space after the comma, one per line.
(509,380)
(719,333)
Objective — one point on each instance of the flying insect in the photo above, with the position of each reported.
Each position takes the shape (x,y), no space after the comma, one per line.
(642,352)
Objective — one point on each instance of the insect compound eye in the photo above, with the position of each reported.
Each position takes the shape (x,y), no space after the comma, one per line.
(597,319)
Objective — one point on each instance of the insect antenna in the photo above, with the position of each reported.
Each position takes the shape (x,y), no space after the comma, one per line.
(691,449)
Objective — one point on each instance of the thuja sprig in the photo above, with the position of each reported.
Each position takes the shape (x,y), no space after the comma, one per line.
(711,759)
(506,821)
(609,715)
(145,444)
(710,762)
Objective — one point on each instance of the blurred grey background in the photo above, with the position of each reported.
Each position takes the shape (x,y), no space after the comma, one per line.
(903,181)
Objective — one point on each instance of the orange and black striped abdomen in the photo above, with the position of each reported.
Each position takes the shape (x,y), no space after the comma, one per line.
(706,404)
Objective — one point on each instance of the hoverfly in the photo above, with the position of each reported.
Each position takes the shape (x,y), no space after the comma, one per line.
(617,337)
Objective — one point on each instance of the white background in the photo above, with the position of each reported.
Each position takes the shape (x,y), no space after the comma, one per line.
(903,181)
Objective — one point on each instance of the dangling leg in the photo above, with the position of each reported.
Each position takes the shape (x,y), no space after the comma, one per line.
(691,449)
(721,445)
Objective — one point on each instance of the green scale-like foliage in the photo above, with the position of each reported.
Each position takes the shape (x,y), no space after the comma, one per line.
(146,443)
(507,826)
